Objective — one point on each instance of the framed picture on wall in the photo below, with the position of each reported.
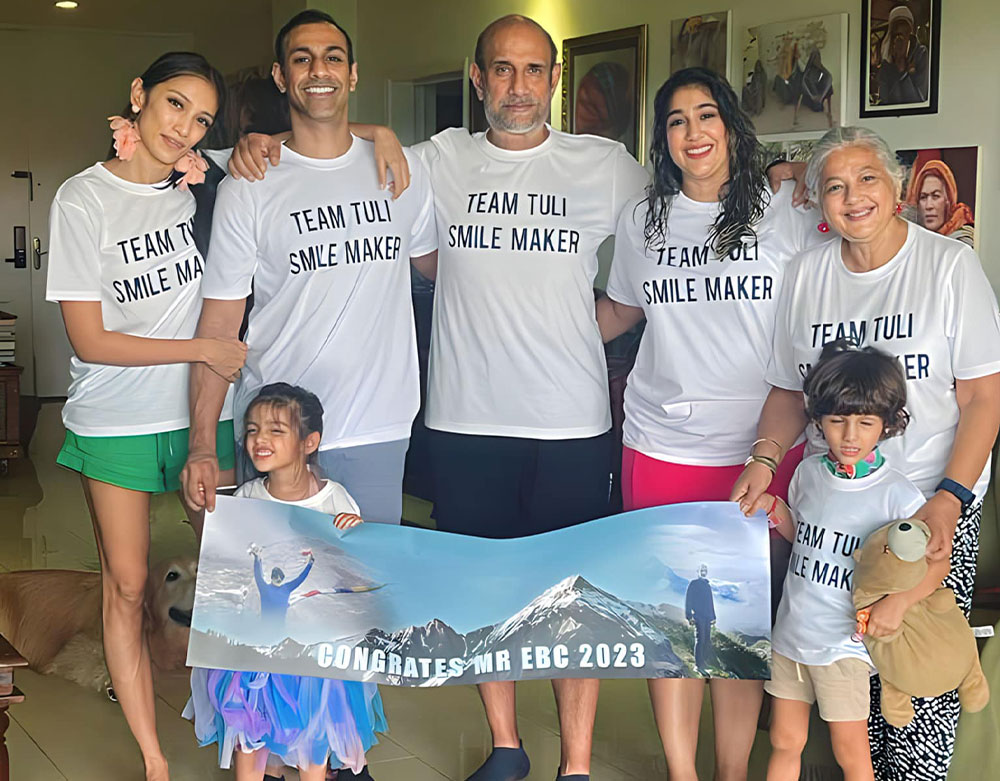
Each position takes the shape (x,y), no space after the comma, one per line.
(900,57)
(794,75)
(703,41)
(793,151)
(604,86)
(941,190)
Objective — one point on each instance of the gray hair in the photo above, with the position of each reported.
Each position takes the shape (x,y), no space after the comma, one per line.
(841,137)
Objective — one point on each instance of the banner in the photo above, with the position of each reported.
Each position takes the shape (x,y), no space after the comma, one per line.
(667,592)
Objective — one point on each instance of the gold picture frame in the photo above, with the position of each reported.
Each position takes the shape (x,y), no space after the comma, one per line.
(604,86)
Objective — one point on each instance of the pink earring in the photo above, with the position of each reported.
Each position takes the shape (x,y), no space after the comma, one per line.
(823,227)
(126,136)
(193,166)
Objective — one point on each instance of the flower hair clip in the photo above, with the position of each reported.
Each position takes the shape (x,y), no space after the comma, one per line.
(193,166)
(126,136)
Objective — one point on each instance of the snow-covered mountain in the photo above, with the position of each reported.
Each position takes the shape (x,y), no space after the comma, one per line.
(572,613)
(433,639)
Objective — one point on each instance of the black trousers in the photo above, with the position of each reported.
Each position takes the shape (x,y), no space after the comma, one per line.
(702,643)
(503,487)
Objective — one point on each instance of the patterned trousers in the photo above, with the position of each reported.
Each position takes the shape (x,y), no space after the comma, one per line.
(922,750)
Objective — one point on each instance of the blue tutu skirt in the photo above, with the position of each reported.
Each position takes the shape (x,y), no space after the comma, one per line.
(305,721)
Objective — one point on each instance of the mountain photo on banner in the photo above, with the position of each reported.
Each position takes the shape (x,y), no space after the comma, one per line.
(668,592)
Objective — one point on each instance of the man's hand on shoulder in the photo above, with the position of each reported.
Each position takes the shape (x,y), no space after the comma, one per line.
(780,172)
(389,156)
(252,154)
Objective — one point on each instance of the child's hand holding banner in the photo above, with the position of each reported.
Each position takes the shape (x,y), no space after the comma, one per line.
(675,591)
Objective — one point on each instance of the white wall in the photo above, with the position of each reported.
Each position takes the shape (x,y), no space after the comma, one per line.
(399,39)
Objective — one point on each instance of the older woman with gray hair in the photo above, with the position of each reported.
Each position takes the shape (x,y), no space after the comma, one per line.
(924,298)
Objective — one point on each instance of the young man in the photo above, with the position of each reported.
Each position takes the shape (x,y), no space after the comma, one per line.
(326,250)
(518,394)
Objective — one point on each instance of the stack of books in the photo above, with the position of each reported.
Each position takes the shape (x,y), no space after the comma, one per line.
(7,324)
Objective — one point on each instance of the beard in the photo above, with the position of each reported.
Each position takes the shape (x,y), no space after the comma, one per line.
(502,120)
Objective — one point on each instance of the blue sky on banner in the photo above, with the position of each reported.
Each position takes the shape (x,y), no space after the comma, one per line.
(646,556)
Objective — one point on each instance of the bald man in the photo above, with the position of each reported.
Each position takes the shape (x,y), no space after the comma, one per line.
(517,399)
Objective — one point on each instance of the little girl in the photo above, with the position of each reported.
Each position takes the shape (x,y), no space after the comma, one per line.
(835,500)
(305,722)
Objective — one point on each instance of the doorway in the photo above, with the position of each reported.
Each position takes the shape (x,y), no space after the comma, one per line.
(419,108)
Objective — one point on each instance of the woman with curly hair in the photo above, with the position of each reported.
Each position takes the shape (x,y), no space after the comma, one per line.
(701,256)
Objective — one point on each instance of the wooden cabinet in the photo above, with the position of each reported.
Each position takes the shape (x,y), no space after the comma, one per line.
(10,414)
(9,695)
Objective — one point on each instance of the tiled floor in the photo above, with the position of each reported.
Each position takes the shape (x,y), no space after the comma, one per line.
(63,731)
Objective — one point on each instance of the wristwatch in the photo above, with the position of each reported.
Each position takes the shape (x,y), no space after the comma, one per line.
(959,491)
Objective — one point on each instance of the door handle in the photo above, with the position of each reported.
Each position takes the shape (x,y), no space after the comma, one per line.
(20,259)
(36,244)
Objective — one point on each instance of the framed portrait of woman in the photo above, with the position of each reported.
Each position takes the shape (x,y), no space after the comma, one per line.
(604,86)
(900,57)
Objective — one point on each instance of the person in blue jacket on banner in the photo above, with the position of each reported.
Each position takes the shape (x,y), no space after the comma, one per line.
(699,609)
(274,594)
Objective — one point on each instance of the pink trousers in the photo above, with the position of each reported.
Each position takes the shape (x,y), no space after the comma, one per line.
(649,482)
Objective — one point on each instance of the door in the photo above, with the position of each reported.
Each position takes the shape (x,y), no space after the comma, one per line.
(61,131)
(417,109)
(15,279)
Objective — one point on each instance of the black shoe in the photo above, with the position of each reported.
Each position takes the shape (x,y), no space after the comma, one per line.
(574,777)
(503,764)
(273,778)
(346,774)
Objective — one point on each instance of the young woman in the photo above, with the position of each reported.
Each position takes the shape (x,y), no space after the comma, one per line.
(701,256)
(126,271)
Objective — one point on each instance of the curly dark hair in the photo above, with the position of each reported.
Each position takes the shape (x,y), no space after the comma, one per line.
(745,195)
(852,380)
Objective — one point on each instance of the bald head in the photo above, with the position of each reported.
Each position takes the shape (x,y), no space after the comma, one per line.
(484,43)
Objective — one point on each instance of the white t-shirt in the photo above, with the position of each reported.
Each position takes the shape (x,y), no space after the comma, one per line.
(328,253)
(833,516)
(331,499)
(515,348)
(131,247)
(931,306)
(697,388)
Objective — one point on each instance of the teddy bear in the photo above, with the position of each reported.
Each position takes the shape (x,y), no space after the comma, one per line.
(934,650)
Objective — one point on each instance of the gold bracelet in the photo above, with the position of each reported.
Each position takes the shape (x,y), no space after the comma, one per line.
(774,442)
(770,463)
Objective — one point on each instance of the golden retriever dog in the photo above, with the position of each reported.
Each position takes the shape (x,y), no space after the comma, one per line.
(53,618)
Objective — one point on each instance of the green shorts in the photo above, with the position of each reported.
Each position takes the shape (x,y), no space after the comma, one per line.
(143,462)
